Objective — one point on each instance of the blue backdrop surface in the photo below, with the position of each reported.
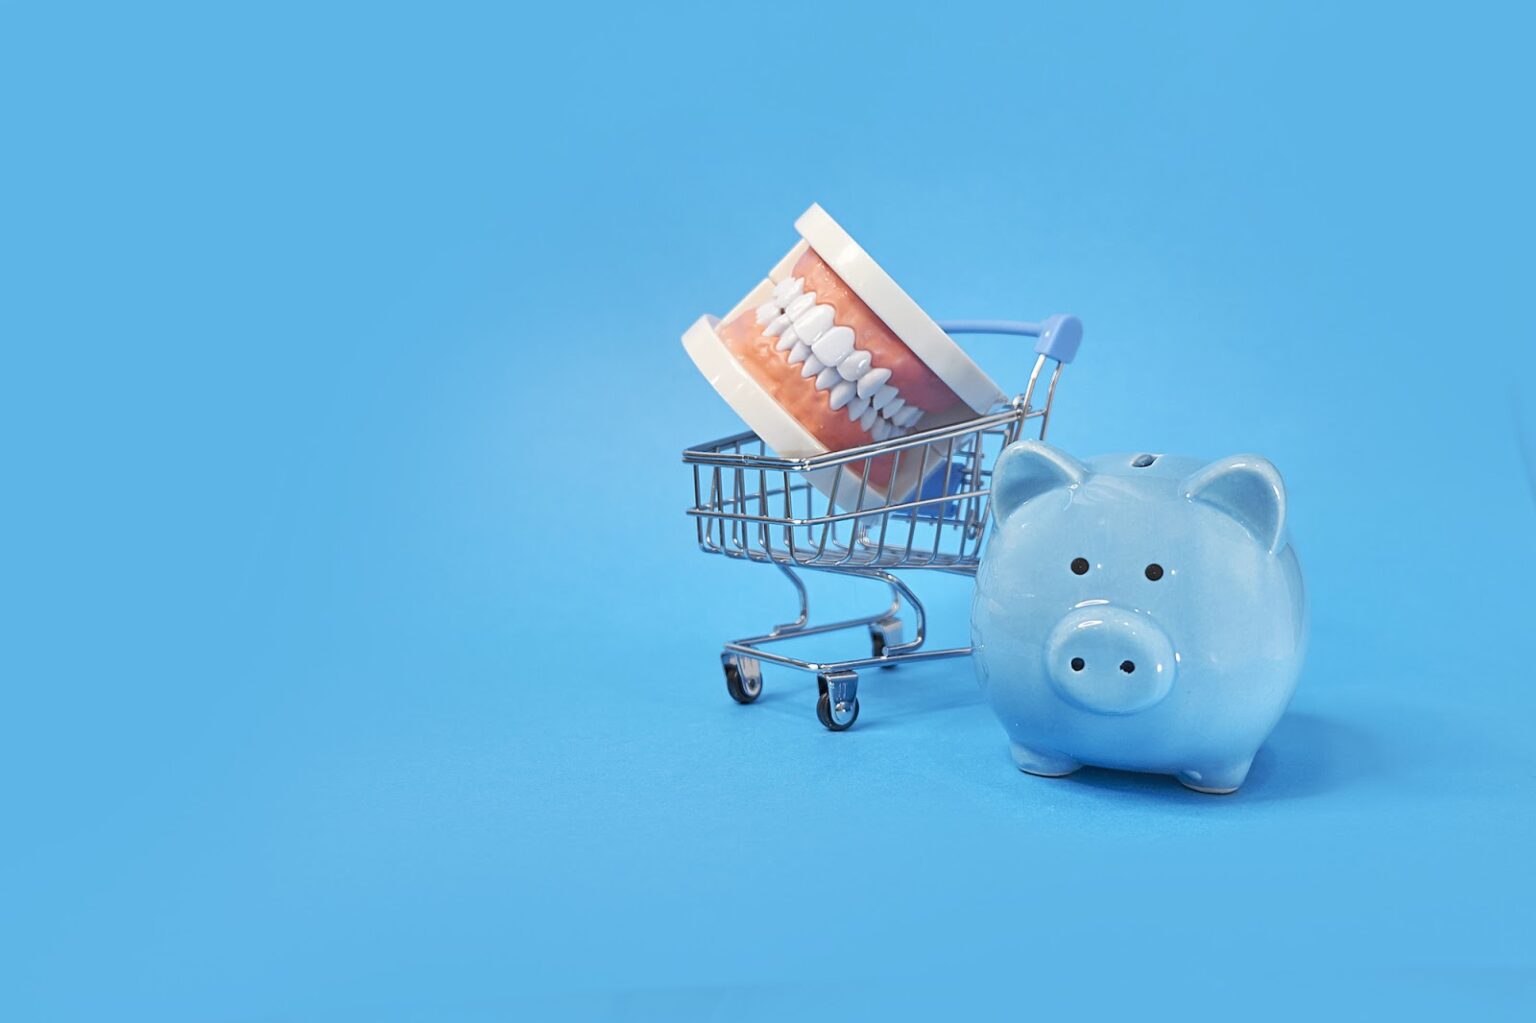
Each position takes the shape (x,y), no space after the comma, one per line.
(358,661)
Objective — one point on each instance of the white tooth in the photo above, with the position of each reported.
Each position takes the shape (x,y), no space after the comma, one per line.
(909,416)
(881,398)
(841,395)
(872,381)
(800,352)
(788,340)
(882,428)
(801,305)
(892,407)
(813,323)
(788,288)
(777,325)
(835,345)
(856,408)
(868,420)
(857,362)
(826,378)
(812,366)
(767,311)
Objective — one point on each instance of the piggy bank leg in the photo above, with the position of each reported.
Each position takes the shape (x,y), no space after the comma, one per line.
(1046,765)
(1217,781)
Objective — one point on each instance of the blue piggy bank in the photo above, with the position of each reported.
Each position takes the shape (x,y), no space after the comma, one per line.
(1142,612)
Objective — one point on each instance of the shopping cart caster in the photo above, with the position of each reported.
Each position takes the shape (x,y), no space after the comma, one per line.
(743,677)
(838,705)
(882,636)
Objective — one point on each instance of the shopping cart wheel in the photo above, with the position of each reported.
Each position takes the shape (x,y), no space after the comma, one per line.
(743,677)
(838,705)
(882,635)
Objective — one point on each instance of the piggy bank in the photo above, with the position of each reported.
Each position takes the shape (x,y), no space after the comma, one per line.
(1142,612)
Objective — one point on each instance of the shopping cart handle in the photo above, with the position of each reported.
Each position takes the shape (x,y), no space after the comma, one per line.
(1059,335)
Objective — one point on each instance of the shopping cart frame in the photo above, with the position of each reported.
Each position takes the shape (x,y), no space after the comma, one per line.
(799,524)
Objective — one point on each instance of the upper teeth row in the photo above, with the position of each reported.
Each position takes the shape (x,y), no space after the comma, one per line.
(806,331)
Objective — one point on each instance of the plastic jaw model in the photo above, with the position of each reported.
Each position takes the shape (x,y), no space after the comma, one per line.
(828,354)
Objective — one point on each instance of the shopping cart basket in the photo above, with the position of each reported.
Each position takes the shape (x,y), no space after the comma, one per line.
(752,505)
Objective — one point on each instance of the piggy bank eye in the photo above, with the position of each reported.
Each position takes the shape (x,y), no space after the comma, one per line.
(1154,571)
(1079,566)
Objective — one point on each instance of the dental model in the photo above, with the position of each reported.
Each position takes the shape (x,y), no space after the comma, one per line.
(828,354)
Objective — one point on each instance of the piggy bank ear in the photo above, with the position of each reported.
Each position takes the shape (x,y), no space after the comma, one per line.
(1029,468)
(1249,489)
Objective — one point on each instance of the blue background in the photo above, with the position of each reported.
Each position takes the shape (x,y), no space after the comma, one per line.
(358,660)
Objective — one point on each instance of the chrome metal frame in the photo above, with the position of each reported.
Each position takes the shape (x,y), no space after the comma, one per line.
(754,506)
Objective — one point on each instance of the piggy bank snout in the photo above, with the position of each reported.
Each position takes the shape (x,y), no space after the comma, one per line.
(1110,660)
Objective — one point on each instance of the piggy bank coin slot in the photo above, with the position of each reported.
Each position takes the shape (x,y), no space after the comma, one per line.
(1142,461)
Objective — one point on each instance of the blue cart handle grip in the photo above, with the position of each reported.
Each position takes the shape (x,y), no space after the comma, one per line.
(1059,335)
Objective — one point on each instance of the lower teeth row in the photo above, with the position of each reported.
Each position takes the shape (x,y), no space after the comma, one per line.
(809,338)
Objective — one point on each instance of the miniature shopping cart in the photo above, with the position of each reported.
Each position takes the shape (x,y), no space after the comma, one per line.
(750,504)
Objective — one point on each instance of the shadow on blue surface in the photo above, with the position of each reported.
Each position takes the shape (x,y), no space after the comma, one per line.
(886,704)
(1307,756)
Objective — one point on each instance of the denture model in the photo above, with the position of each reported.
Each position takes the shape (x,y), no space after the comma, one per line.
(829,353)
